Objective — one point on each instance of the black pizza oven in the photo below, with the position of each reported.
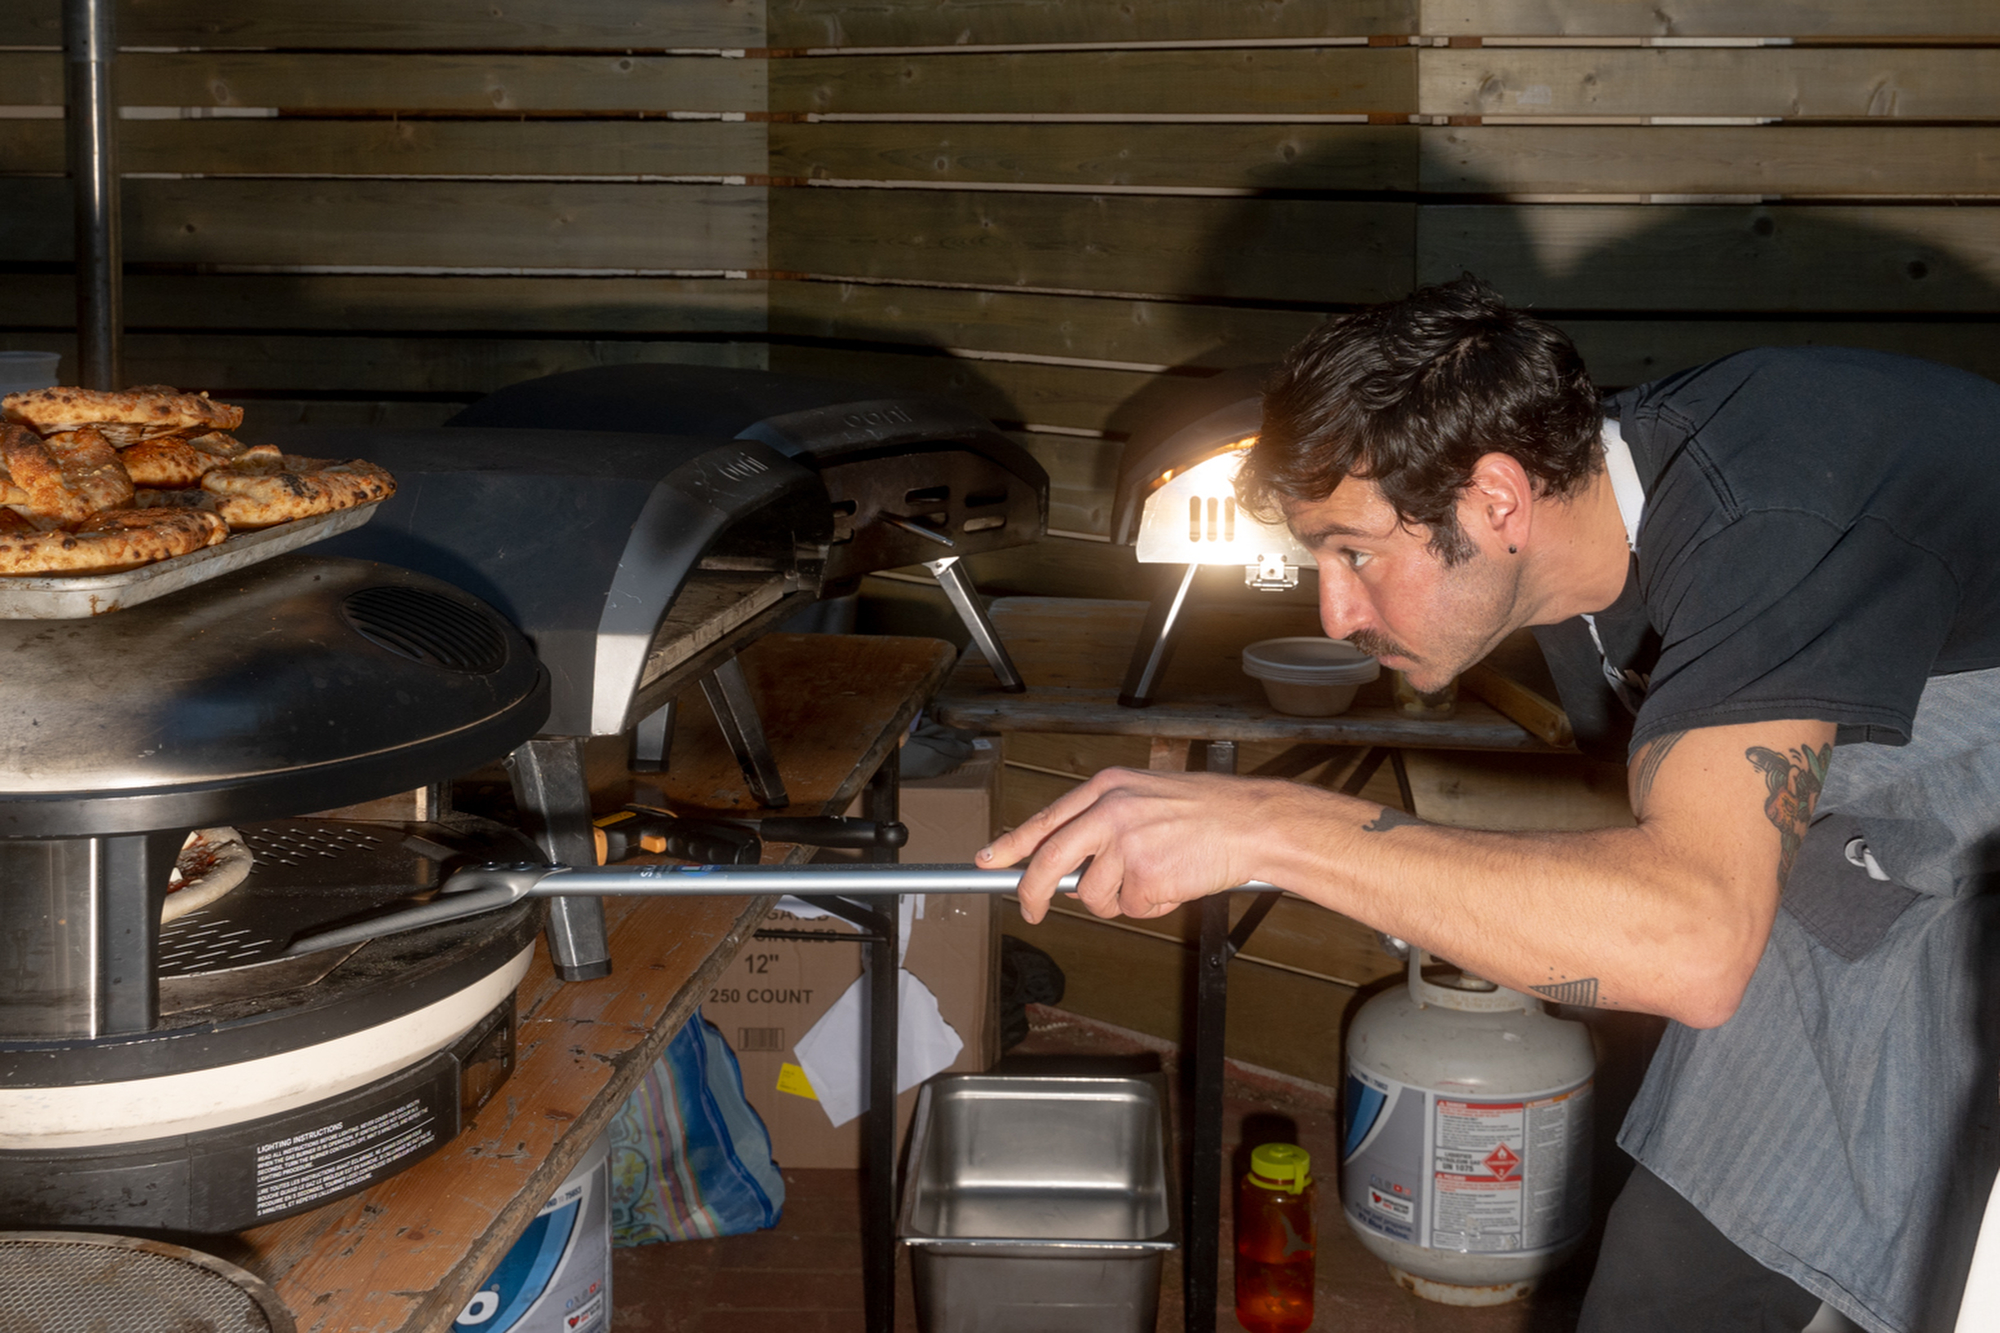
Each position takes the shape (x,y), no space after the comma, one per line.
(911,478)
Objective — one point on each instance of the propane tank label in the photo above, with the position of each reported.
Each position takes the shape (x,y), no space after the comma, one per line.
(1490,1176)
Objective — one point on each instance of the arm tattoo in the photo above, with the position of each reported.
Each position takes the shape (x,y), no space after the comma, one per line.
(1391,818)
(1648,767)
(1582,993)
(1791,786)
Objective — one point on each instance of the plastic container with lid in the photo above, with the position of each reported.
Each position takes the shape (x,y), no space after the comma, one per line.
(1275,1243)
(1309,677)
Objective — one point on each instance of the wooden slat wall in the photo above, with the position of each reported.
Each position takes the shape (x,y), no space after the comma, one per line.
(368,211)
(1040,206)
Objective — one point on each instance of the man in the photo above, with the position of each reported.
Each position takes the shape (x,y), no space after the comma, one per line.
(1777,579)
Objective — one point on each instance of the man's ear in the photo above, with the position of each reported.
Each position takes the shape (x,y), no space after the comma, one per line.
(1498,502)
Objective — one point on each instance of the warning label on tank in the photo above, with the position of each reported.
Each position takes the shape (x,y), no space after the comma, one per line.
(1473,1175)
(1509,1175)
(324,1161)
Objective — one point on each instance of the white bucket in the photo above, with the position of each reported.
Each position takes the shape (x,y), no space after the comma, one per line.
(22,371)
(1309,676)
(557,1278)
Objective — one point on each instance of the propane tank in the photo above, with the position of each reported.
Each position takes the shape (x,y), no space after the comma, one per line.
(1466,1159)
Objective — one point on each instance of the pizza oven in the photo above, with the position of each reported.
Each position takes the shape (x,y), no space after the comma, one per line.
(191,1075)
(910,478)
(1176,504)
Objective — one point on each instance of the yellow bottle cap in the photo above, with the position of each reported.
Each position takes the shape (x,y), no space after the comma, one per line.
(1283,1166)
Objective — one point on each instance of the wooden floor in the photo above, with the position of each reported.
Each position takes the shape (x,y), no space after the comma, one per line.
(804,1276)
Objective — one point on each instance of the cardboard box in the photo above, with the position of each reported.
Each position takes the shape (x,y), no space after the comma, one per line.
(777,989)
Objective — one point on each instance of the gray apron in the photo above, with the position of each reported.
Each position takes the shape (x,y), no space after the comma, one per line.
(1843,1127)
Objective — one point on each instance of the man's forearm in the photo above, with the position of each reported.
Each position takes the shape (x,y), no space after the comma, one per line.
(1611,917)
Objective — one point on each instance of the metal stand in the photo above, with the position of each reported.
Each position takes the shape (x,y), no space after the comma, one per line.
(878,1240)
(91,45)
(554,800)
(1204,1173)
(652,741)
(1157,637)
(957,585)
(736,713)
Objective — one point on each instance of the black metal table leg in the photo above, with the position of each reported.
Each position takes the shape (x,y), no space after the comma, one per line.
(881,802)
(554,799)
(1204,1172)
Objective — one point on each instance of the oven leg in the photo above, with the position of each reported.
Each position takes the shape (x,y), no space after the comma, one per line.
(652,740)
(554,800)
(1204,1176)
(878,1237)
(957,584)
(1157,637)
(736,713)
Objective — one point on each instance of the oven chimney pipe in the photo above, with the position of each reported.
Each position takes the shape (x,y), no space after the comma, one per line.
(91,46)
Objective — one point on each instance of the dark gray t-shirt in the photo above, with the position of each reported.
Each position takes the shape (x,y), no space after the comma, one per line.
(1821,534)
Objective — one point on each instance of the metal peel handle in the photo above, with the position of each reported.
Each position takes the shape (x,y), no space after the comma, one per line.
(487,888)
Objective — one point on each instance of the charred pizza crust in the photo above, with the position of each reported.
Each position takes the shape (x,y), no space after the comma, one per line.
(111,541)
(211,862)
(63,480)
(124,416)
(260,489)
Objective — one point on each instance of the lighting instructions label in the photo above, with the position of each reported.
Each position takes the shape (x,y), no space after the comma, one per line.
(334,1157)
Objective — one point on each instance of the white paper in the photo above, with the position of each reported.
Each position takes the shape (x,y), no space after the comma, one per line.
(834,1052)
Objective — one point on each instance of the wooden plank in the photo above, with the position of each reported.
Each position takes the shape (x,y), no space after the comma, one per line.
(1246,81)
(1281,249)
(1709,18)
(1931,83)
(396,24)
(1008,392)
(1789,160)
(1630,351)
(360,81)
(818,23)
(1072,652)
(1216,156)
(302,302)
(1554,791)
(310,366)
(386,147)
(1085,327)
(1720,258)
(449,224)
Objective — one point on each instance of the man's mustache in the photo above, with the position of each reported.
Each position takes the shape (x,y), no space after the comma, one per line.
(1380,645)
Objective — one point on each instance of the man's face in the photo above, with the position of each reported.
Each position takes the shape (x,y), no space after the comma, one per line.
(1383,587)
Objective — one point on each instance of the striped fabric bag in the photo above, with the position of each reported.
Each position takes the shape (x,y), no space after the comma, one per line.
(689,1157)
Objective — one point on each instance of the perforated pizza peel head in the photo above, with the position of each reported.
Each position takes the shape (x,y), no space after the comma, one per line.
(75,1282)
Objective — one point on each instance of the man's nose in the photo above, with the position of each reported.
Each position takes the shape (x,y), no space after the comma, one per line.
(1342,609)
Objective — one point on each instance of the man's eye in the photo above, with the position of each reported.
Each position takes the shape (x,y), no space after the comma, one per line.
(1355,559)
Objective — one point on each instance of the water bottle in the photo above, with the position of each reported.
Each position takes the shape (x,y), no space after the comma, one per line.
(1274,1241)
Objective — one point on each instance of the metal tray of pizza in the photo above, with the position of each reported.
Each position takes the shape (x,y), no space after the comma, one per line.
(81,596)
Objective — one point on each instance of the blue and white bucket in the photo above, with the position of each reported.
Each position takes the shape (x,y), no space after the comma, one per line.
(557,1278)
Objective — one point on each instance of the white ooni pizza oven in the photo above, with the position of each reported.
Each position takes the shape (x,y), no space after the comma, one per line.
(192,1076)
(1176,502)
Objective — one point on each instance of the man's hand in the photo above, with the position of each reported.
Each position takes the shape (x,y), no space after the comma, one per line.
(1153,840)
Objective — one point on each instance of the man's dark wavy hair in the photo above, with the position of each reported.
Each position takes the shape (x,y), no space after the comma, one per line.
(1409,395)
